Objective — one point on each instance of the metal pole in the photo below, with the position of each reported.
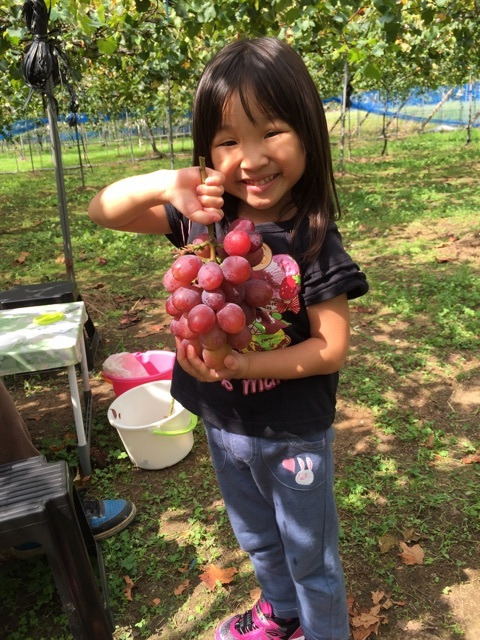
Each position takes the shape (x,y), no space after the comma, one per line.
(344,108)
(59,176)
(169,108)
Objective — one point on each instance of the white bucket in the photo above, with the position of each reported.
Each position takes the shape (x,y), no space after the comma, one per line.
(155,429)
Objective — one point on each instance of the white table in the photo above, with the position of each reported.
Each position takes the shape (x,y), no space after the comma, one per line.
(51,337)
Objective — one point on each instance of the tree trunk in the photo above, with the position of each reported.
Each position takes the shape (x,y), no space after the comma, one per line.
(470,112)
(342,117)
(437,107)
(359,124)
(151,138)
(384,129)
(397,112)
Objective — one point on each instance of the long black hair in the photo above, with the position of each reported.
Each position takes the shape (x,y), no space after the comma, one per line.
(272,74)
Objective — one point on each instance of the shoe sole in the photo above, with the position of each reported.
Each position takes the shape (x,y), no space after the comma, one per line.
(119,527)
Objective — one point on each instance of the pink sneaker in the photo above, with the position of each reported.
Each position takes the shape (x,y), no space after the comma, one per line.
(259,623)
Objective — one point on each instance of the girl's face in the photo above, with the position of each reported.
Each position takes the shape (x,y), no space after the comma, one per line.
(261,160)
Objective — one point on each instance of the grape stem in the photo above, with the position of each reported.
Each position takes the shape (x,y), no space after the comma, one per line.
(210,227)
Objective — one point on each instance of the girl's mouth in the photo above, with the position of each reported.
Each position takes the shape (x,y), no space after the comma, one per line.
(260,183)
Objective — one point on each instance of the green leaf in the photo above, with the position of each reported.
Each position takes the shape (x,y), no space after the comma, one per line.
(356,55)
(107,46)
(13,35)
(372,71)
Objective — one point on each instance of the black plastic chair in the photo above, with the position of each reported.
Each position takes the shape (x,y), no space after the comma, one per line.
(31,295)
(39,503)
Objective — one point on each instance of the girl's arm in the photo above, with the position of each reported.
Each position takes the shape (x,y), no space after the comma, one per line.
(137,203)
(324,352)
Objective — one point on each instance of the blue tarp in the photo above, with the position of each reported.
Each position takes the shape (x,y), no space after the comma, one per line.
(368,101)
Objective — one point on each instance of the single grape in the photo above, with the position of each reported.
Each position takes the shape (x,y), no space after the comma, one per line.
(240,340)
(201,318)
(195,344)
(210,276)
(186,297)
(249,311)
(171,309)
(231,318)
(185,268)
(255,257)
(233,292)
(170,282)
(256,241)
(175,327)
(214,299)
(182,330)
(214,359)
(242,223)
(236,269)
(214,338)
(237,243)
(258,293)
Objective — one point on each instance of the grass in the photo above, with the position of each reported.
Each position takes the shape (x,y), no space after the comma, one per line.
(407,414)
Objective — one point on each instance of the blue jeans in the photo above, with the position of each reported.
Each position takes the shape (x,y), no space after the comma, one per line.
(278,492)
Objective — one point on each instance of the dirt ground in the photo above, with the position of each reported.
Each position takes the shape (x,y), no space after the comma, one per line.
(143,322)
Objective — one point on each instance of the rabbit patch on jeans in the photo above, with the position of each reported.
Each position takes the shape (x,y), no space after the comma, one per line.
(305,475)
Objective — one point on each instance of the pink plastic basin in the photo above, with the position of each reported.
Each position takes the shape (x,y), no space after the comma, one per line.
(158,366)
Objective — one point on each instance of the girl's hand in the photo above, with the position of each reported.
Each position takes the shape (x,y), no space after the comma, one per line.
(235,365)
(199,202)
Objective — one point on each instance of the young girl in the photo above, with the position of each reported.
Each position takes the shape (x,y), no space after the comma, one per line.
(268,411)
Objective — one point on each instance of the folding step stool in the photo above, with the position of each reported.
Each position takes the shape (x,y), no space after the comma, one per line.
(30,295)
(38,503)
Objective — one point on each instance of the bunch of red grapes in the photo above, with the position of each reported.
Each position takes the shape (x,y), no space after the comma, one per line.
(214,293)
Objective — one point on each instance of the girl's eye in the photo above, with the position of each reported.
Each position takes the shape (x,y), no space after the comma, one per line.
(271,134)
(227,143)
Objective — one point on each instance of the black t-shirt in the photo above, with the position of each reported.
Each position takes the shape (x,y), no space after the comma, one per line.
(257,407)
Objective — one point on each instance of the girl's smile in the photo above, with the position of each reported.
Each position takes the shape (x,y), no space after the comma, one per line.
(262,159)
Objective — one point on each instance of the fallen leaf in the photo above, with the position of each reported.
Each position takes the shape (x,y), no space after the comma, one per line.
(364,625)
(155,328)
(387,542)
(181,587)
(430,441)
(102,261)
(474,457)
(60,260)
(411,555)
(183,569)
(128,319)
(129,586)
(361,309)
(387,604)
(156,601)
(213,573)
(410,535)
(365,620)
(255,594)
(377,596)
(22,257)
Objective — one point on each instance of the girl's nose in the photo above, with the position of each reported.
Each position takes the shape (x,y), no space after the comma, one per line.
(253,157)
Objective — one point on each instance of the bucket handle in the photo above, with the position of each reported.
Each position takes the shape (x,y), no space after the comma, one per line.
(177,432)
